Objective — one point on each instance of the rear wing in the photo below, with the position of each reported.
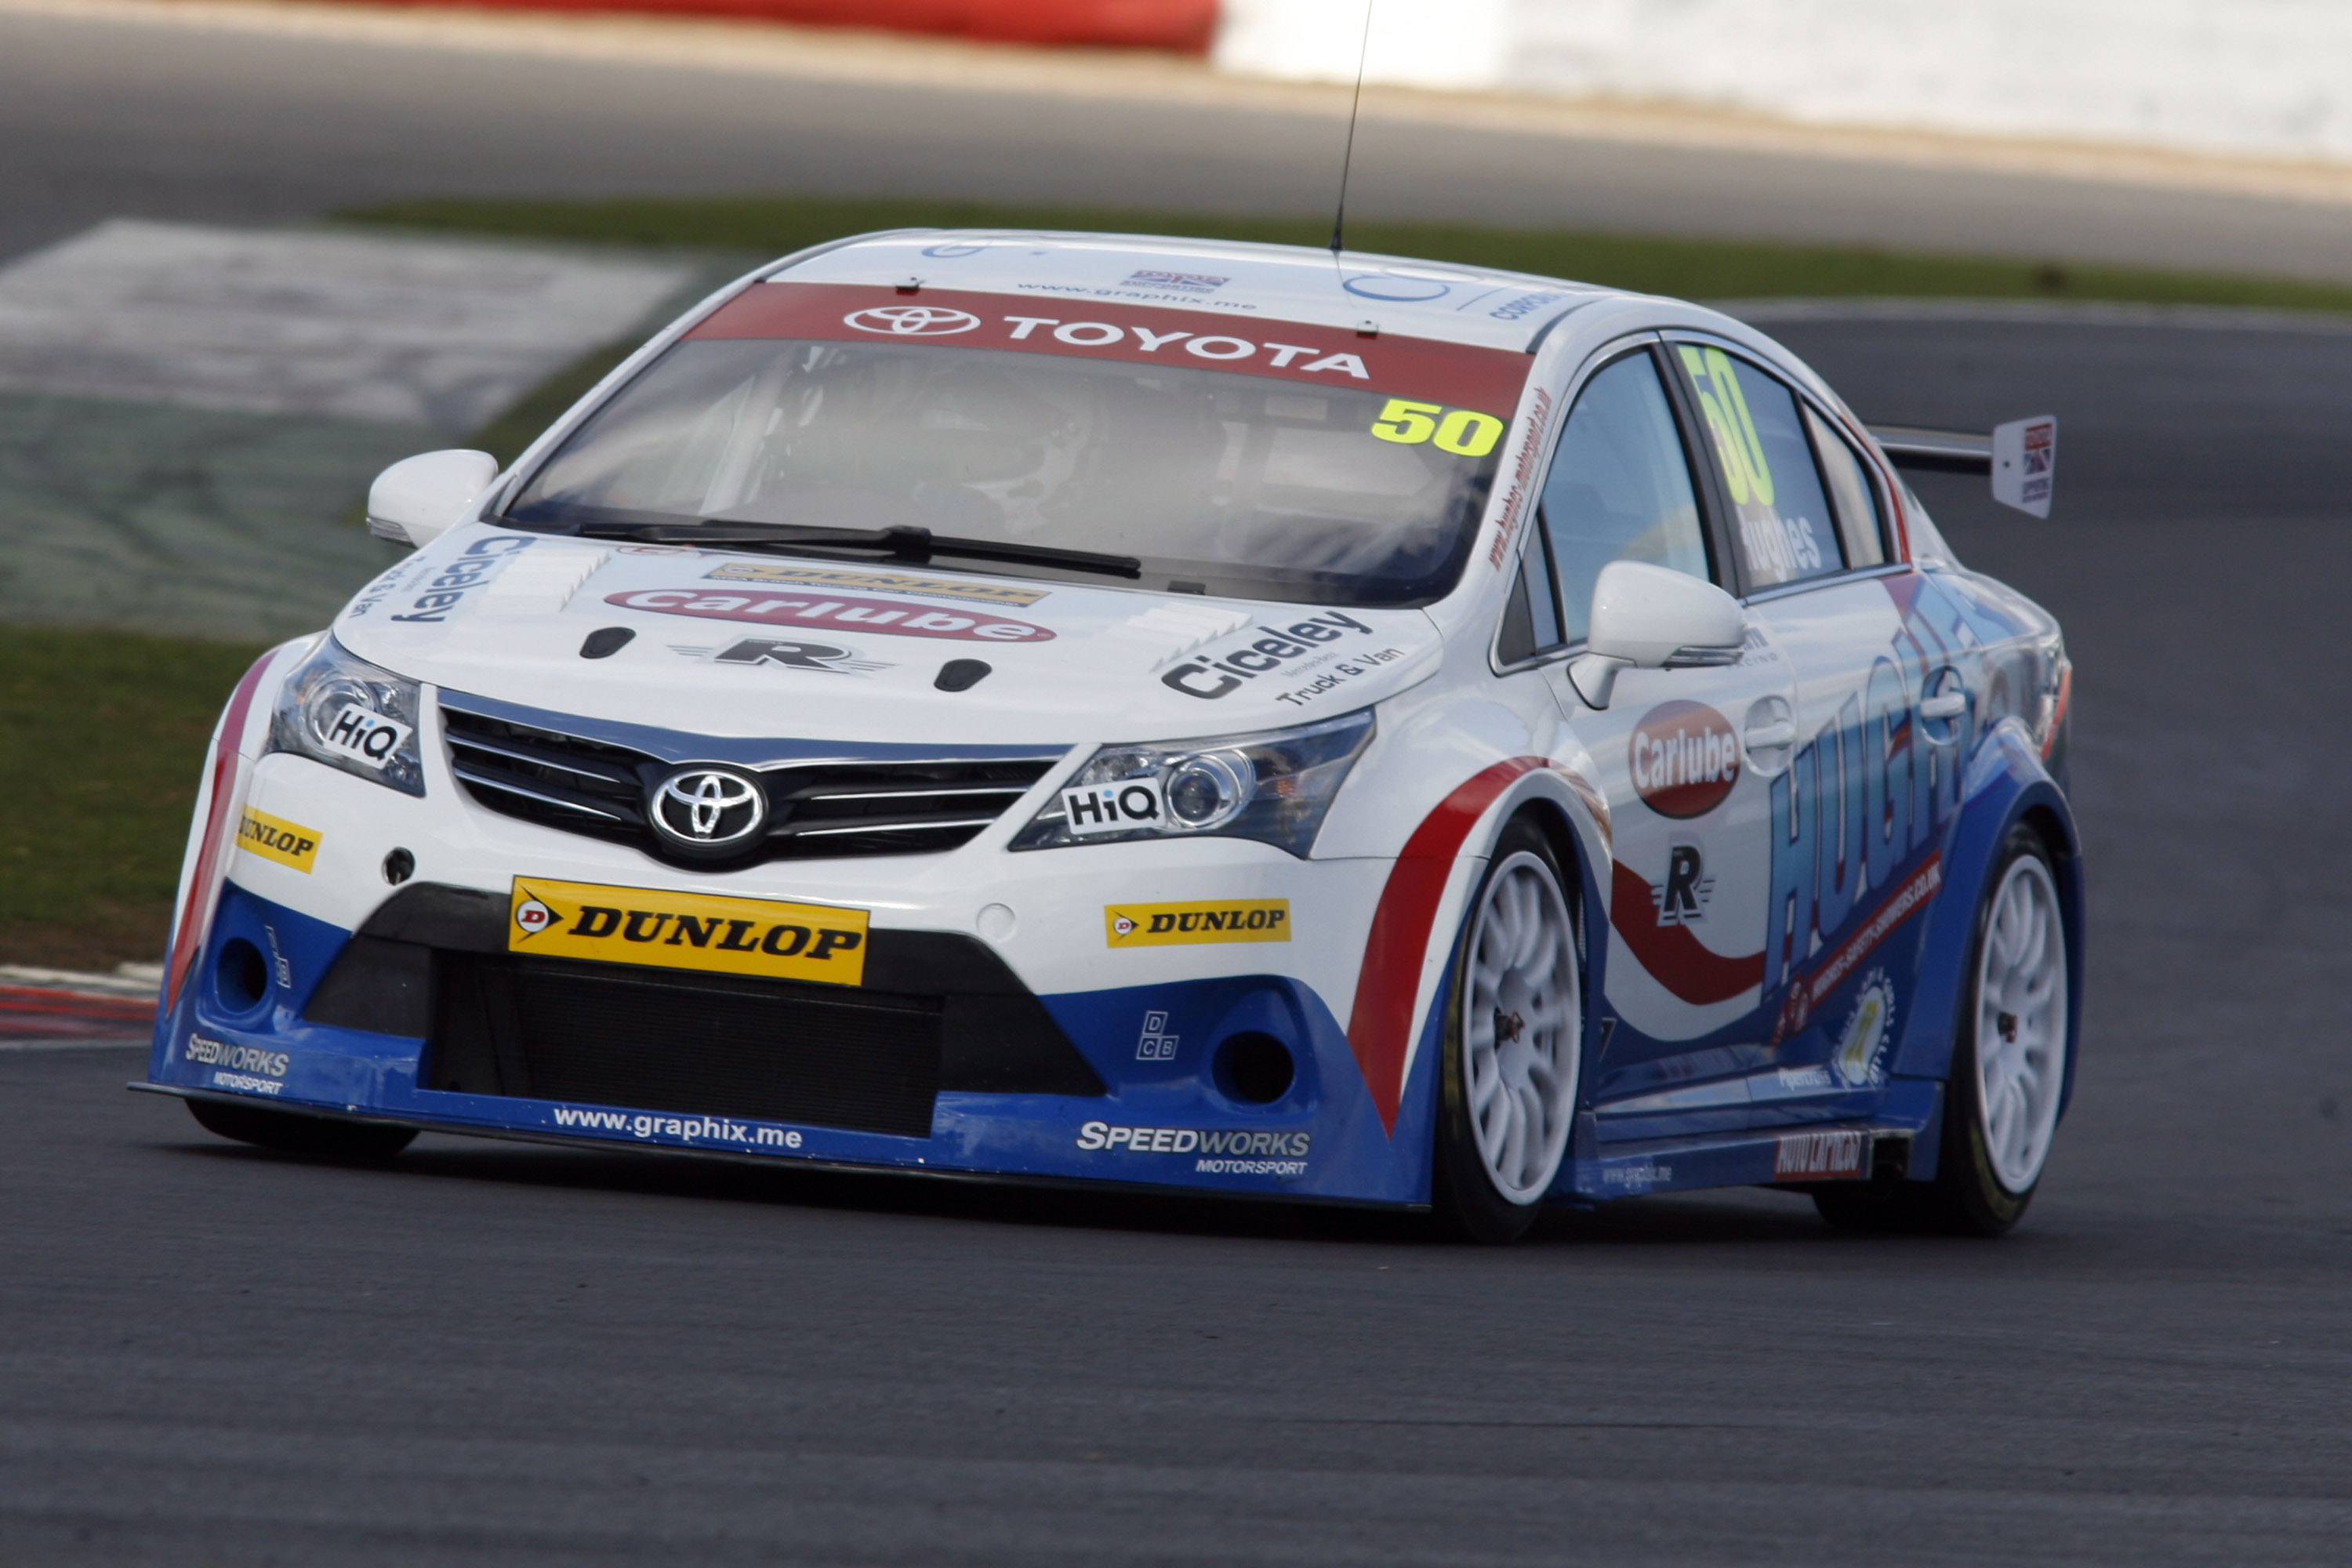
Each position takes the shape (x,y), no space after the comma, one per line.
(2020,457)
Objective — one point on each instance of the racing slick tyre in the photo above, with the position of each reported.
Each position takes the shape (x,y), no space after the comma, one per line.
(1507,1096)
(2009,1067)
(292,1133)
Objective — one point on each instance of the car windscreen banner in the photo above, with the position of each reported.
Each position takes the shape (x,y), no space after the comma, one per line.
(1433,375)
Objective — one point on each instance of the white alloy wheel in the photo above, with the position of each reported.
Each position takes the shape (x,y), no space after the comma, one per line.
(1519,1026)
(2021,1023)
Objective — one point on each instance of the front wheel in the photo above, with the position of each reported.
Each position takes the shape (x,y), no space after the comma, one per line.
(1512,1046)
(294,1133)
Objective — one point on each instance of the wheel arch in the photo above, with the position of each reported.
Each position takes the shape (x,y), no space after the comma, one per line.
(2006,786)
(1397,1019)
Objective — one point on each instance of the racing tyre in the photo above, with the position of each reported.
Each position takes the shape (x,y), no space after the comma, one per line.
(1509,1088)
(292,1133)
(2009,1067)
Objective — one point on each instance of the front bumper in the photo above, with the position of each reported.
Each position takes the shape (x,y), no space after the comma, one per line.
(984,1076)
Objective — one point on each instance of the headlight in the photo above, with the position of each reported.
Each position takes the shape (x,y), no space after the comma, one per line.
(1274,787)
(350,715)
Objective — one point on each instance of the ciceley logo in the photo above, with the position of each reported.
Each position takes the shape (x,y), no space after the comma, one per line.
(1212,675)
(472,568)
(688,930)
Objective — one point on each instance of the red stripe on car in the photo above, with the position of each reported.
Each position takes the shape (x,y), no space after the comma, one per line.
(189,935)
(1675,958)
(1381,1025)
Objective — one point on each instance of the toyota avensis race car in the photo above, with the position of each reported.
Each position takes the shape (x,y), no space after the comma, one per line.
(1219,717)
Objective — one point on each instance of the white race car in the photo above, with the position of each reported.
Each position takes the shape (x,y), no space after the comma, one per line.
(1133,710)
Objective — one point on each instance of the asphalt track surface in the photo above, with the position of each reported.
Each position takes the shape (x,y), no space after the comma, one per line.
(104,118)
(498,1353)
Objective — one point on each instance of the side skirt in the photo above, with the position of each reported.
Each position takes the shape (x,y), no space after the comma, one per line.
(1897,1144)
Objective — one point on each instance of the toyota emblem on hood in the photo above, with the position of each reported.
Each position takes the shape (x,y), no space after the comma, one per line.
(708,810)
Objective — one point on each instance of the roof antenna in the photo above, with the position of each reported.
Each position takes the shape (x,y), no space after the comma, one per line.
(1339,217)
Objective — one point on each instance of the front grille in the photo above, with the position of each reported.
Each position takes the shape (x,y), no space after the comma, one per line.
(696,1045)
(815,810)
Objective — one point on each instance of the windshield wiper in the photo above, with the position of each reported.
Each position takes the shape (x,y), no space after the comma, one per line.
(915,544)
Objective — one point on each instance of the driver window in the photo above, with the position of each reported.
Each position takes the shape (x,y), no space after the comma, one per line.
(1618,490)
(1785,530)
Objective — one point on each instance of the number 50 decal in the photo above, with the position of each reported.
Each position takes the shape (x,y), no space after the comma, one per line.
(1461,431)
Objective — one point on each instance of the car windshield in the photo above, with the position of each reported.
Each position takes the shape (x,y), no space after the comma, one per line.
(1335,490)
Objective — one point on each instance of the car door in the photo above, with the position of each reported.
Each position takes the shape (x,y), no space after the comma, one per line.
(1855,812)
(1684,756)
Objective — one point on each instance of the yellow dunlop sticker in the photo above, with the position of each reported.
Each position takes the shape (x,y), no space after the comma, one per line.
(1157,925)
(878,582)
(275,838)
(688,930)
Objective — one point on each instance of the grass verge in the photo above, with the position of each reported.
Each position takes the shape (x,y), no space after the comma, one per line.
(102,742)
(1689,269)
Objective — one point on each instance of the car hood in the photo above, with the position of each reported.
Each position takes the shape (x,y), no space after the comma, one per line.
(733,644)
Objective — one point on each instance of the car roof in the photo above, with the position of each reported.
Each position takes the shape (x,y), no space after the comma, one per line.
(1441,300)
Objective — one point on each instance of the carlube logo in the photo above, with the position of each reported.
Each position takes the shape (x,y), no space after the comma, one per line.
(890,617)
(1685,758)
(911,321)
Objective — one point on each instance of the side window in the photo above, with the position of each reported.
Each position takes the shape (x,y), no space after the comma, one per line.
(1618,490)
(1853,495)
(1786,533)
(1531,619)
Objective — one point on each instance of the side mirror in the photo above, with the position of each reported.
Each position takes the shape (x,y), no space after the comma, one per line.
(418,500)
(1647,617)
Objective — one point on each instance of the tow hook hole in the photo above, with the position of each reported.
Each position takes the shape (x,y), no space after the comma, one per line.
(398,867)
(1254,1068)
(242,977)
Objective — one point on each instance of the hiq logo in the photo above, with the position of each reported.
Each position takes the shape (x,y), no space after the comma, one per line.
(364,735)
(1114,807)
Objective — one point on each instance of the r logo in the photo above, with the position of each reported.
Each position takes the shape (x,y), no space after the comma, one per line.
(1682,897)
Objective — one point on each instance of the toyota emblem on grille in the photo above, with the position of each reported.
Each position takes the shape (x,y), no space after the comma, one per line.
(708,809)
(911,321)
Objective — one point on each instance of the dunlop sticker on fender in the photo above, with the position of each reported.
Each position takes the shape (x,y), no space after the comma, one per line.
(275,838)
(1157,925)
(688,930)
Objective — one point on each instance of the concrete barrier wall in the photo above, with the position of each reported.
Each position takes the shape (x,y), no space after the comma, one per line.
(2269,77)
